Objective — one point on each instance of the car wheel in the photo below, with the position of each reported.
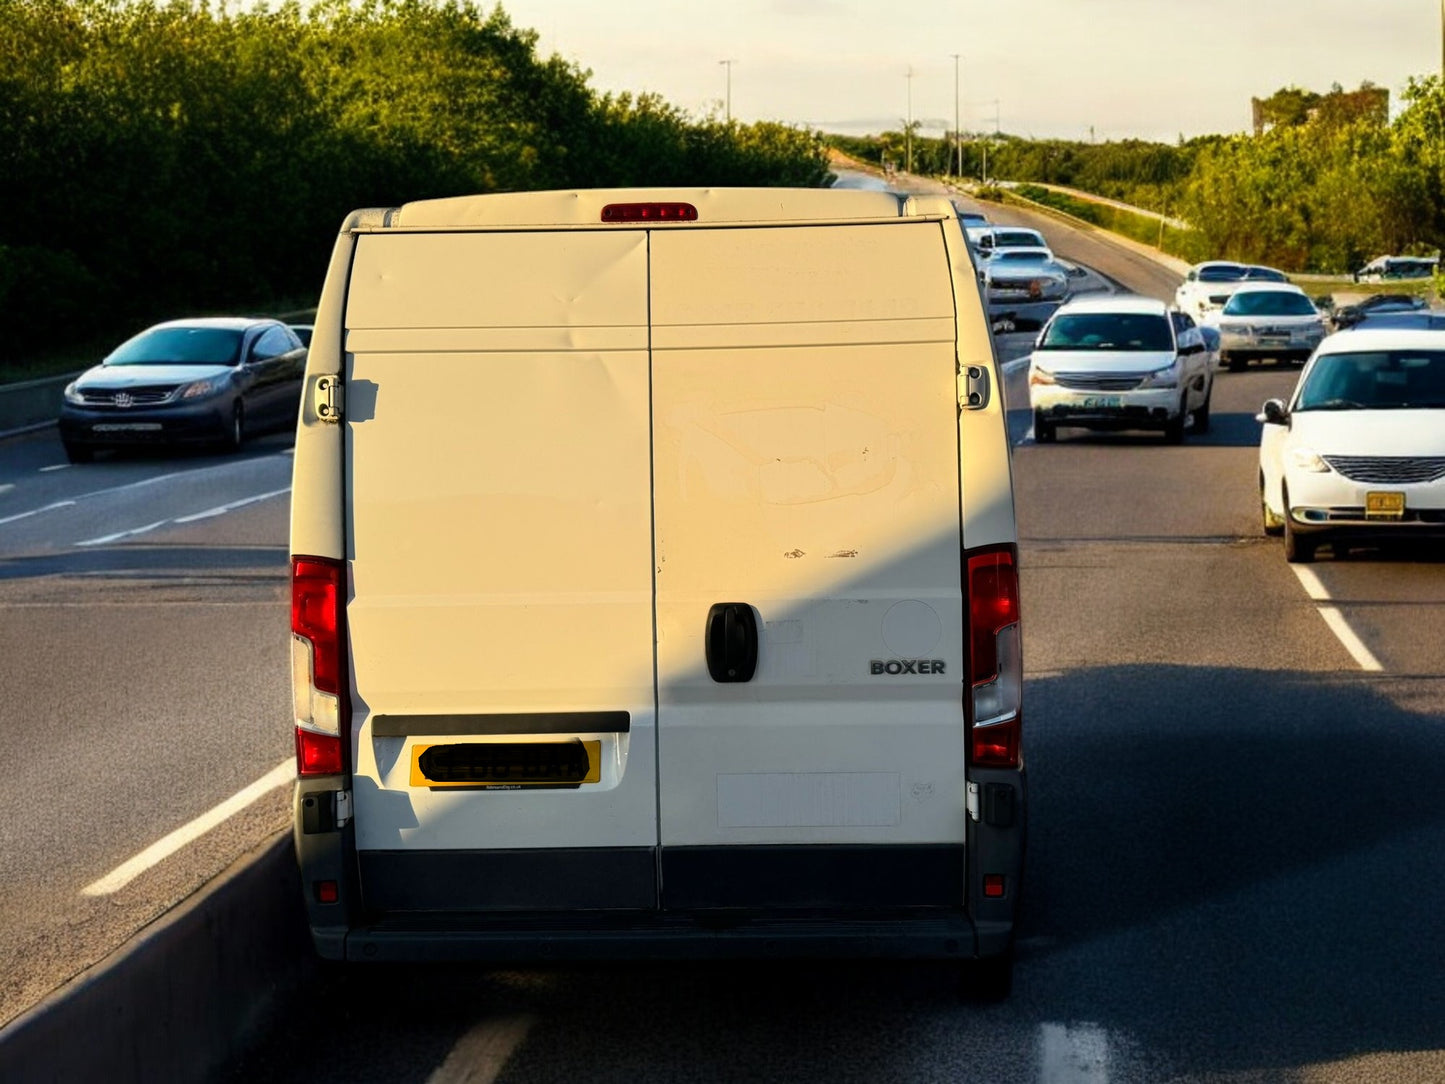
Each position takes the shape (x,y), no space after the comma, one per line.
(1232,363)
(1298,549)
(1201,416)
(236,431)
(1045,432)
(78,453)
(1174,427)
(1273,524)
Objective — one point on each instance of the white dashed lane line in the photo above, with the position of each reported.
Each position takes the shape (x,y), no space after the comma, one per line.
(54,466)
(222,509)
(1347,636)
(37,511)
(118,535)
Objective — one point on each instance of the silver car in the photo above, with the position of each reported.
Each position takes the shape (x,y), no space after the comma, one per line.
(1267,319)
(1024,274)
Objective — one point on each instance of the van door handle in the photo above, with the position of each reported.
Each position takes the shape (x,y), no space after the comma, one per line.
(731,642)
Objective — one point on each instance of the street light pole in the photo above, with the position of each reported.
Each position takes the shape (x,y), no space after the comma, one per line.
(728,65)
(908,124)
(957,137)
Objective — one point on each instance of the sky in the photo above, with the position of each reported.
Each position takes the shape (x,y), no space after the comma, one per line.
(1070,69)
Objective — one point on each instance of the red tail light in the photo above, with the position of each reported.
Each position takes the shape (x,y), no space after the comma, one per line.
(317,670)
(995,657)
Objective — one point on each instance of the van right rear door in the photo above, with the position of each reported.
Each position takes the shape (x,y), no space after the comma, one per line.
(808,540)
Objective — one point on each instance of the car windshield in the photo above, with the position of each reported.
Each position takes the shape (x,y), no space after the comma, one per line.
(1108,331)
(180,346)
(1265,274)
(1376,380)
(1269,303)
(1020,256)
(1221,272)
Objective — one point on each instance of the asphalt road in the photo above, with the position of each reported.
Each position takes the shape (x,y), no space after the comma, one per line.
(143,655)
(1234,865)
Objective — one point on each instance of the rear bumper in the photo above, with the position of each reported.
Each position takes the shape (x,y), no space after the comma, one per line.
(513,939)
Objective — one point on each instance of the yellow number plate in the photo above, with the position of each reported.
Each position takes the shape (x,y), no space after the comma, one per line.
(507,765)
(1384,505)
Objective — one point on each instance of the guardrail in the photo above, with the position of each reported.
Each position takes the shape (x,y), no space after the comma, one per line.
(32,404)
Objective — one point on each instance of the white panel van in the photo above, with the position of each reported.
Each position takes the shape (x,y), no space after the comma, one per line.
(655,584)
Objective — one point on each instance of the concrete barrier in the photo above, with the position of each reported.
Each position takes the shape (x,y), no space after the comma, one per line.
(31,403)
(175,1002)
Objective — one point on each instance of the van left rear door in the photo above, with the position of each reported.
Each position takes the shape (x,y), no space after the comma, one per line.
(498,486)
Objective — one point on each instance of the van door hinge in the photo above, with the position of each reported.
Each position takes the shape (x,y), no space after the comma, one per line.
(972,801)
(326,397)
(975,388)
(343,808)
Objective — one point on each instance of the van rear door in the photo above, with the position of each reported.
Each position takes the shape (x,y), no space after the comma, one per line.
(497,482)
(807,507)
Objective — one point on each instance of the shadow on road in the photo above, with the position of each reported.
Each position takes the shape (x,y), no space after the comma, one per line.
(1229,870)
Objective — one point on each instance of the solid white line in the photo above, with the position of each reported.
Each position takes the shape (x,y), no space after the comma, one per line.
(1312,583)
(55,466)
(221,510)
(482,1053)
(122,534)
(162,849)
(7,487)
(1346,635)
(37,511)
(1315,588)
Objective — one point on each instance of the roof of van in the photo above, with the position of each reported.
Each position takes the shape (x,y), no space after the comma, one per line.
(583,207)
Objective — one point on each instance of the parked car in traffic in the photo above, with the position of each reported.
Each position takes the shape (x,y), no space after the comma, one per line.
(1358,452)
(303,332)
(1387,268)
(1208,286)
(968,218)
(1120,363)
(1375,305)
(212,380)
(995,238)
(1267,320)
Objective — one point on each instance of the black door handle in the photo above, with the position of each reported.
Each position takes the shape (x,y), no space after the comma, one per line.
(731,642)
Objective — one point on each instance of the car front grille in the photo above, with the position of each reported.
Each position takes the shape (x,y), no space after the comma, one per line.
(143,396)
(1097,381)
(1388,469)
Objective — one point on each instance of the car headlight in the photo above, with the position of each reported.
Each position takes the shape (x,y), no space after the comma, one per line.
(1308,459)
(72,394)
(1167,377)
(1040,376)
(199,388)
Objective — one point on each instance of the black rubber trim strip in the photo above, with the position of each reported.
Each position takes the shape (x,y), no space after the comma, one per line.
(534,879)
(550,722)
(813,876)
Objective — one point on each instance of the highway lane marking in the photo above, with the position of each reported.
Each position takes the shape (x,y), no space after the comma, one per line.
(55,466)
(36,511)
(481,1054)
(1315,588)
(222,509)
(7,487)
(118,535)
(163,848)
(1073,1054)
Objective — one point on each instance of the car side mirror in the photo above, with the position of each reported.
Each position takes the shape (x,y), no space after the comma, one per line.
(1274,413)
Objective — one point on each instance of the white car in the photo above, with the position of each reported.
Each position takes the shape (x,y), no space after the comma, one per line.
(1208,286)
(1120,363)
(1267,320)
(1024,275)
(1358,453)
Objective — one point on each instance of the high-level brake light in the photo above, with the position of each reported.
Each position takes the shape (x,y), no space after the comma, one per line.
(649,212)
(317,665)
(995,657)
